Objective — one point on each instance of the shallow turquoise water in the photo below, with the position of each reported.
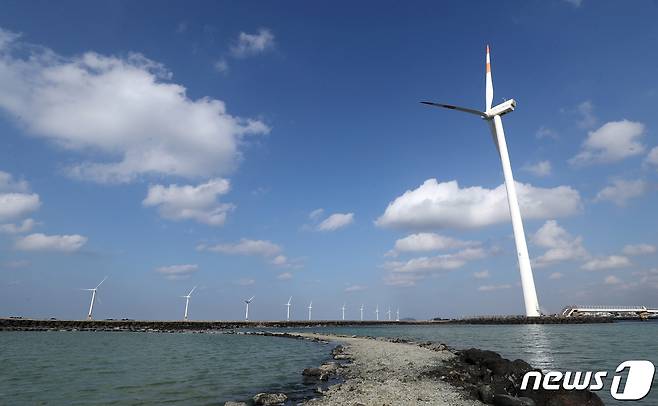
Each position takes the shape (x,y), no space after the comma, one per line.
(87,368)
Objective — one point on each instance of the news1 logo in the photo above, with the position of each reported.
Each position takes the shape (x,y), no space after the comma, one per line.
(638,380)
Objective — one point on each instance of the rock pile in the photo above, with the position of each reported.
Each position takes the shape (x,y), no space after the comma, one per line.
(495,380)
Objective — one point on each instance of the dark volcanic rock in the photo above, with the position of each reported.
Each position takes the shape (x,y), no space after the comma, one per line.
(562,397)
(507,400)
(486,376)
(312,372)
(270,399)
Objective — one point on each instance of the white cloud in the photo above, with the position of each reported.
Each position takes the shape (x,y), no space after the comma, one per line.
(24,227)
(609,262)
(316,214)
(9,184)
(586,110)
(481,275)
(647,278)
(542,168)
(402,280)
(253,44)
(421,242)
(221,66)
(490,288)
(612,280)
(16,205)
(544,132)
(245,246)
(612,142)
(284,276)
(16,201)
(177,271)
(622,190)
(336,221)
(441,205)
(639,249)
(561,246)
(556,275)
(16,264)
(198,203)
(57,243)
(245,282)
(652,157)
(443,262)
(259,248)
(355,288)
(575,3)
(123,110)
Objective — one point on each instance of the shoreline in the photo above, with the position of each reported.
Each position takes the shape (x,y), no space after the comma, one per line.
(395,371)
(25,324)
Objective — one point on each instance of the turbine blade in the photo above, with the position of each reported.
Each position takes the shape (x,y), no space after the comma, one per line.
(190,294)
(289,300)
(489,88)
(250,299)
(451,107)
(104,279)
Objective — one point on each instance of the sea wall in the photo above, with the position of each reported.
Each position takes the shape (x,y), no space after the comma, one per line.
(20,324)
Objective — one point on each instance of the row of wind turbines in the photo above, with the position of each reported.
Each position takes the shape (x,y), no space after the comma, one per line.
(247,302)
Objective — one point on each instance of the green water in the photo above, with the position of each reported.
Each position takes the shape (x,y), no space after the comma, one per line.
(88,368)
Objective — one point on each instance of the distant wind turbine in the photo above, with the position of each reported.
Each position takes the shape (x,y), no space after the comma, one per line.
(310,308)
(93,299)
(246,313)
(343,308)
(389,313)
(288,305)
(492,115)
(187,302)
(377,312)
(361,312)
(397,315)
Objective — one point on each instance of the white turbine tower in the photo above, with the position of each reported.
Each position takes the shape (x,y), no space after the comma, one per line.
(397,314)
(246,313)
(361,312)
(288,306)
(310,308)
(377,312)
(187,302)
(343,308)
(389,313)
(93,299)
(492,116)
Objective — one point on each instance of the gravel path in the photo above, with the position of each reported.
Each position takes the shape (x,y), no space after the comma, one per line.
(385,373)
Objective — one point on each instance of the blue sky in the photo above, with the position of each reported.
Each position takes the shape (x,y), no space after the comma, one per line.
(169,145)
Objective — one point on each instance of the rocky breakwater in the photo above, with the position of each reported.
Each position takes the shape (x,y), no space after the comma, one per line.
(495,380)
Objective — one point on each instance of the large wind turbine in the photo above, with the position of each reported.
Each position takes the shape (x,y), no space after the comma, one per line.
(397,314)
(377,312)
(246,313)
(310,308)
(389,313)
(362,312)
(343,308)
(93,299)
(187,302)
(288,306)
(492,116)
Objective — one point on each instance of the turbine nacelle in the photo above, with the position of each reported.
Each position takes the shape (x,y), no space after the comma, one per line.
(501,109)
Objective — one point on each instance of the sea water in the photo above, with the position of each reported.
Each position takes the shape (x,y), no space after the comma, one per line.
(195,369)
(121,368)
